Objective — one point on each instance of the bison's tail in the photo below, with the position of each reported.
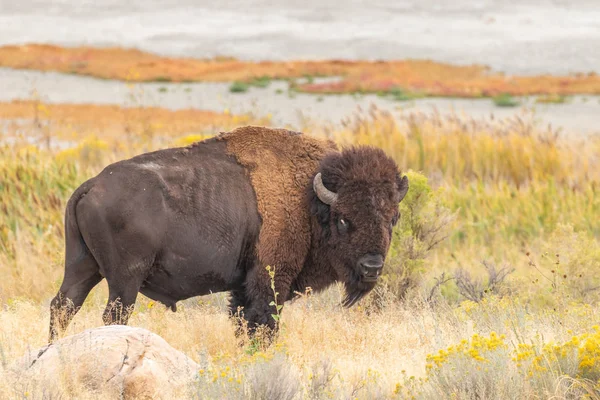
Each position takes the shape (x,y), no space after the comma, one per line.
(75,246)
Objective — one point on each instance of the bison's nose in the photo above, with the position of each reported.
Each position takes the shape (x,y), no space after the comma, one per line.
(371,266)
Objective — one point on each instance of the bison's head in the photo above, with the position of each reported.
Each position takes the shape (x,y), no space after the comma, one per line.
(355,200)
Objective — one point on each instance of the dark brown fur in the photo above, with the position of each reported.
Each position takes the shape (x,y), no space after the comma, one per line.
(210,217)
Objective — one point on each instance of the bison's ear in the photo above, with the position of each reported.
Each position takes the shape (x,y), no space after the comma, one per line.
(402,186)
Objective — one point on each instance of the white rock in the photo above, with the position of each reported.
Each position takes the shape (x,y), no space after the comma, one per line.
(114,361)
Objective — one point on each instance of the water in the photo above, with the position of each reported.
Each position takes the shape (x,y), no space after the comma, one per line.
(524,36)
(581,116)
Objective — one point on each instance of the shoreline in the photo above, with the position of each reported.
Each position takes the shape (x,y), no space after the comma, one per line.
(410,78)
(524,37)
(284,107)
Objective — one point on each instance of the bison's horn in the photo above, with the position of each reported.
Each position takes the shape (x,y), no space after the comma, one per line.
(324,194)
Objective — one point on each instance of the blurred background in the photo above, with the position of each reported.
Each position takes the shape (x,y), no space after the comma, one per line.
(515,38)
(525,37)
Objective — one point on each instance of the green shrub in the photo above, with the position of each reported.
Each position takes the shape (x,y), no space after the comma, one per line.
(238,87)
(260,82)
(423,224)
(505,100)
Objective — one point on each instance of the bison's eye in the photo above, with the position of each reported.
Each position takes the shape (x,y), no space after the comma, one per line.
(343,225)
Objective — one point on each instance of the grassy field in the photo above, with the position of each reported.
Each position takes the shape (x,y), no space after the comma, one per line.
(490,290)
(403,79)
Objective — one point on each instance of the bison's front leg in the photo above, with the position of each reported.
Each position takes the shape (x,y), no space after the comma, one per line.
(261,307)
(238,302)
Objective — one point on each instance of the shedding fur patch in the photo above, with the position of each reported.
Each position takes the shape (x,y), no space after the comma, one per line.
(281,164)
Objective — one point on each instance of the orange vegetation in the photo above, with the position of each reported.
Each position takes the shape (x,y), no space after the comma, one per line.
(80,120)
(415,76)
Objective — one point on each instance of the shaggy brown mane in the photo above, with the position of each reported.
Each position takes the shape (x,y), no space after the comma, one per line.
(368,183)
(358,165)
(288,162)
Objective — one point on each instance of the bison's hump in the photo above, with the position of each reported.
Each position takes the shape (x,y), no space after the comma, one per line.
(281,164)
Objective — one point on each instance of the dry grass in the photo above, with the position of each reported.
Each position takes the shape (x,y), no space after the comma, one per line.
(383,354)
(74,122)
(518,196)
(412,77)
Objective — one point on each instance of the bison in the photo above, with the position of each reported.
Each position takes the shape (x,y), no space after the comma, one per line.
(210,217)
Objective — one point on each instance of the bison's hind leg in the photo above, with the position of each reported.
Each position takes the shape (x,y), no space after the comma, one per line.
(122,294)
(80,278)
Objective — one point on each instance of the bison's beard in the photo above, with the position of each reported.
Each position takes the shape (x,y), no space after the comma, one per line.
(356,290)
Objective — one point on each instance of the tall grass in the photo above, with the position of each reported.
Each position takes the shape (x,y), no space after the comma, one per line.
(460,149)
(504,192)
